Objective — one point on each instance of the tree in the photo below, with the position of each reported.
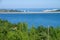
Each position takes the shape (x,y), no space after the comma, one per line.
(20,31)
(42,33)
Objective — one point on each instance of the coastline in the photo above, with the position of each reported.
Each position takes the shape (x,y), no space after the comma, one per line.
(28,12)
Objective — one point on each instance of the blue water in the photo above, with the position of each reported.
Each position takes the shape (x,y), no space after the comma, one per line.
(33,19)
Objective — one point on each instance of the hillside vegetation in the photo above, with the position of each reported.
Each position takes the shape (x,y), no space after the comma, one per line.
(20,31)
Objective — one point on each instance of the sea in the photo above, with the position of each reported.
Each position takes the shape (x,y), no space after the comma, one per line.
(37,19)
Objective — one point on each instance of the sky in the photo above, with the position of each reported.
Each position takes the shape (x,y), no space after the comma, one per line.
(29,3)
(33,19)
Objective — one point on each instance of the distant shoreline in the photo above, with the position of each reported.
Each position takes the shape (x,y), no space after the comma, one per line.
(27,12)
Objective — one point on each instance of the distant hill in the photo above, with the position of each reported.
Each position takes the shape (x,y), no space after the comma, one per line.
(54,10)
(5,10)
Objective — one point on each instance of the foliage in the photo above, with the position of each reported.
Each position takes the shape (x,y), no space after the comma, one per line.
(20,31)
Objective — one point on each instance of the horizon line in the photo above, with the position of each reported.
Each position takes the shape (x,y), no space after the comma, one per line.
(29,12)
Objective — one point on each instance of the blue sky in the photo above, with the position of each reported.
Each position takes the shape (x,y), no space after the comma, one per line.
(33,19)
(29,3)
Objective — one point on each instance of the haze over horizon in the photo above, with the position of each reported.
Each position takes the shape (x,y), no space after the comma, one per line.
(29,4)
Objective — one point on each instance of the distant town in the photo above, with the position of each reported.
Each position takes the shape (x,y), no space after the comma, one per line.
(15,10)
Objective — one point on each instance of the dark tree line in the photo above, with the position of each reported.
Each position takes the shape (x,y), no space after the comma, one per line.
(20,31)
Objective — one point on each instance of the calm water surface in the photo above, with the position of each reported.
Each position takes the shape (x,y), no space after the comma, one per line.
(33,19)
